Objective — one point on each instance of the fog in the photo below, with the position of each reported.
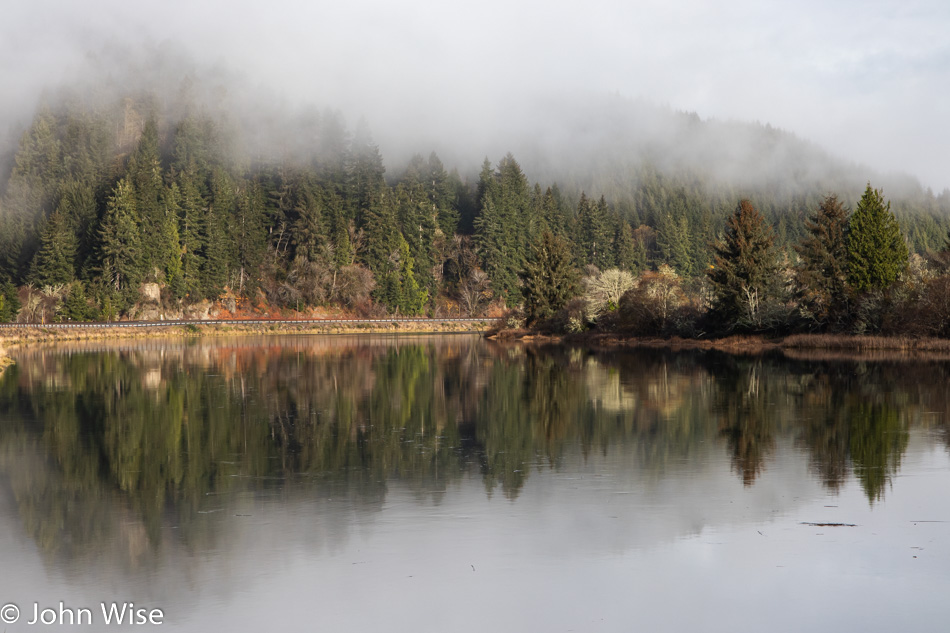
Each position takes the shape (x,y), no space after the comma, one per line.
(866,81)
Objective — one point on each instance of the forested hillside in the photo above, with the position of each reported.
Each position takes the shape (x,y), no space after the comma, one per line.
(148,206)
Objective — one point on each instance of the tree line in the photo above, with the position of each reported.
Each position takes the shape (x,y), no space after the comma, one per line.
(123,213)
(853,274)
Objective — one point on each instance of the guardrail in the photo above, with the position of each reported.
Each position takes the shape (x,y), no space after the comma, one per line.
(178,322)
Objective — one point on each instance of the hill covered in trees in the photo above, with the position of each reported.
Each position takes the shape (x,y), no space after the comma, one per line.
(150,204)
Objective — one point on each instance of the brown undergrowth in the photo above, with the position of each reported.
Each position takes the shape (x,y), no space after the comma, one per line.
(798,346)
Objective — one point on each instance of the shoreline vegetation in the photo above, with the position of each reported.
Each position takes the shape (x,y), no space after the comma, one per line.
(796,346)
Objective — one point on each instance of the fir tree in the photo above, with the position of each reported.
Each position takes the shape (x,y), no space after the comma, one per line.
(170,242)
(593,232)
(191,220)
(493,242)
(145,176)
(119,239)
(9,303)
(626,248)
(31,194)
(442,195)
(487,184)
(822,273)
(673,240)
(745,273)
(339,230)
(412,297)
(54,261)
(382,240)
(417,221)
(501,226)
(77,203)
(309,235)
(551,213)
(218,247)
(367,184)
(550,279)
(877,252)
(76,306)
(249,236)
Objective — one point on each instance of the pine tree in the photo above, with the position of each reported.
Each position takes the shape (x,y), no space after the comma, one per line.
(145,176)
(550,279)
(120,240)
(822,273)
(76,306)
(9,303)
(333,154)
(593,232)
(339,230)
(745,273)
(514,197)
(250,237)
(367,184)
(443,196)
(544,214)
(382,239)
(78,205)
(487,184)
(492,241)
(412,297)
(218,244)
(673,240)
(877,252)
(53,264)
(417,221)
(309,235)
(644,247)
(501,226)
(31,194)
(191,220)
(169,242)
(625,248)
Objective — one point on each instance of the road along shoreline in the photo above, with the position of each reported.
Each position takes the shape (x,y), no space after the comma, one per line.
(14,335)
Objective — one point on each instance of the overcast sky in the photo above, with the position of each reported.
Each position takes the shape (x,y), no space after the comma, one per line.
(868,80)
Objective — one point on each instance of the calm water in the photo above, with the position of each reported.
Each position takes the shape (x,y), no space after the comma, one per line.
(448,484)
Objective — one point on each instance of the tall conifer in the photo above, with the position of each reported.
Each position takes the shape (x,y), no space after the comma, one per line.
(822,273)
(120,245)
(745,274)
(877,252)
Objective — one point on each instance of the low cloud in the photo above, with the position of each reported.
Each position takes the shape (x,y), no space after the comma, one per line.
(867,81)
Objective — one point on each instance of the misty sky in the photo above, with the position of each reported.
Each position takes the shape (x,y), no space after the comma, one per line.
(868,80)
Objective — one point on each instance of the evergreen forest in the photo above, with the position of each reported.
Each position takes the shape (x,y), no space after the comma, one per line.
(137,209)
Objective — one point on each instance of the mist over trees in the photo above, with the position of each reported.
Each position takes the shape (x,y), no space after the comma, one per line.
(163,205)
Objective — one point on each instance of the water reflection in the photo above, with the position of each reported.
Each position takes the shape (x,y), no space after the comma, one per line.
(104,447)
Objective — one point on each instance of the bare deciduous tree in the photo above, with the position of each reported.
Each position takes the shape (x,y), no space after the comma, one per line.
(603,290)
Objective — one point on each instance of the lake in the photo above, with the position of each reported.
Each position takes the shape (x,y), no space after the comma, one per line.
(448,483)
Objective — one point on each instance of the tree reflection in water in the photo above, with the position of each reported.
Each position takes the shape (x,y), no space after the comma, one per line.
(148,434)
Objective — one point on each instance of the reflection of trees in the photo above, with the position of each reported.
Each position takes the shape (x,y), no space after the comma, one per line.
(823,401)
(745,418)
(877,441)
(505,434)
(150,435)
(857,415)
